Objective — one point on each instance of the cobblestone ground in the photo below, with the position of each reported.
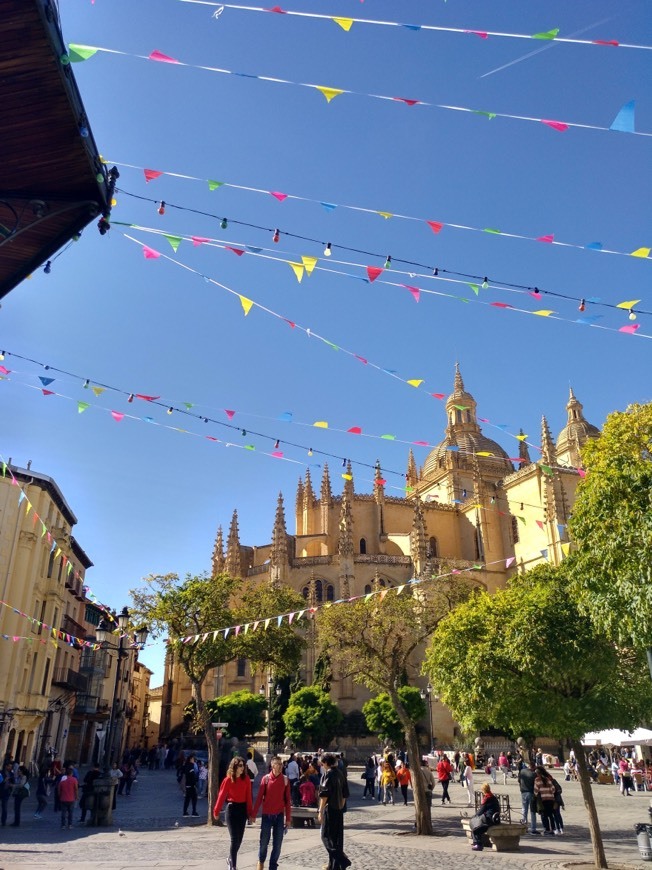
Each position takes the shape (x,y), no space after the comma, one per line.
(155,835)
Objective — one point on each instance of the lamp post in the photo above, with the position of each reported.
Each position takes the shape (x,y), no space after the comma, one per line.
(102,634)
(270,695)
(427,693)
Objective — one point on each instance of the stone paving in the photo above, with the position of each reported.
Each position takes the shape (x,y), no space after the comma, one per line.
(150,832)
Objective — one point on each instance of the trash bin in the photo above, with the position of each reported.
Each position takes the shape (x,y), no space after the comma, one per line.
(643,833)
(102,807)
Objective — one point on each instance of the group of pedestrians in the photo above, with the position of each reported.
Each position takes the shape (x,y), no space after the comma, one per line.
(541,795)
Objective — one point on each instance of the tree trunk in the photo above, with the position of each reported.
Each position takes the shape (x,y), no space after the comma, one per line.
(594,825)
(212,745)
(422,815)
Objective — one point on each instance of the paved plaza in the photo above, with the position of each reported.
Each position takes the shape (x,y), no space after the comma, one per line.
(150,831)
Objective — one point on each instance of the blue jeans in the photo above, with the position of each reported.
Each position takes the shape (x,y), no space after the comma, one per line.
(273,825)
(527,799)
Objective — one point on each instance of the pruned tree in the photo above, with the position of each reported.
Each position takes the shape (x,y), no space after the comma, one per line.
(273,646)
(311,718)
(526,660)
(377,642)
(383,720)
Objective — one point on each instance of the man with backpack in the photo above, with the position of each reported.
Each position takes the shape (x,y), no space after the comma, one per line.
(274,796)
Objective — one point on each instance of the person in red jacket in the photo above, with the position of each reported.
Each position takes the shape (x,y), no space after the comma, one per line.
(275,798)
(444,770)
(235,792)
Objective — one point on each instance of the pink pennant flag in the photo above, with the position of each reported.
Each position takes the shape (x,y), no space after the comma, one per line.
(147,398)
(290,323)
(355,430)
(501,305)
(117,416)
(406,101)
(229,414)
(237,251)
(435,226)
(374,272)
(421,443)
(631,328)
(279,196)
(438,395)
(549,239)
(198,240)
(5,371)
(277,454)
(581,472)
(212,438)
(276,9)
(510,561)
(50,393)
(535,294)
(540,524)
(606,42)
(163,58)
(481,33)
(361,358)
(150,253)
(416,293)
(556,125)
(151,174)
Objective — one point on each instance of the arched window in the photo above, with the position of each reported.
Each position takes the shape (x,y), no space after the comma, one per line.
(514,530)
(319,590)
(363,546)
(241,666)
(330,593)
(433,551)
(305,592)
(367,589)
(51,563)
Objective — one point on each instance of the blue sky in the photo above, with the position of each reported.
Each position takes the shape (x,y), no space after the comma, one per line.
(149,499)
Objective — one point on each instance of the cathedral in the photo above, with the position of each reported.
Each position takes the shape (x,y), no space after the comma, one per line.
(470,505)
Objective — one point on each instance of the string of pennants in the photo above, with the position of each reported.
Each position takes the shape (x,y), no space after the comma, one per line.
(347,23)
(436,226)
(306,265)
(624,121)
(54,633)
(295,616)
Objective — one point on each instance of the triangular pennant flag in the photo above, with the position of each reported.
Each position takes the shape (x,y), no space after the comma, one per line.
(641,252)
(544,553)
(213,185)
(548,34)
(198,240)
(46,381)
(279,620)
(549,239)
(267,622)
(544,312)
(98,391)
(399,589)
(28,508)
(345,23)
(151,174)
(540,524)
(321,424)
(81,407)
(373,272)
(150,253)
(279,196)
(630,328)
(298,269)
(383,593)
(347,476)
(237,630)
(174,241)
(560,126)
(290,618)
(162,58)
(561,528)
(416,293)
(79,53)
(435,226)
(309,264)
(237,251)
(246,304)
(475,288)
(329,93)
(47,392)
(229,414)
(386,214)
(624,120)
(415,382)
(117,416)
(628,305)
(565,548)
(406,101)
(546,470)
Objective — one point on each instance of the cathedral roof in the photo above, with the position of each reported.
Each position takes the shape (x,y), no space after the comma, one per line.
(577,430)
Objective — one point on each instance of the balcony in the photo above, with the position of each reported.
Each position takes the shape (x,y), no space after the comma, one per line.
(74,628)
(69,679)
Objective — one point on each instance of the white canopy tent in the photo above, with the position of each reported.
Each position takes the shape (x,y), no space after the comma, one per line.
(613,737)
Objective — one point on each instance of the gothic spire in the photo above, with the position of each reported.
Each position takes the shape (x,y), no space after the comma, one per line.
(348,482)
(279,549)
(412,475)
(326,492)
(299,499)
(345,543)
(548,453)
(309,493)
(418,548)
(219,563)
(459,383)
(523,451)
(379,483)
(233,561)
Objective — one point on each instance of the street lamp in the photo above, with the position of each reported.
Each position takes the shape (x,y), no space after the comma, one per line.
(427,693)
(102,635)
(270,695)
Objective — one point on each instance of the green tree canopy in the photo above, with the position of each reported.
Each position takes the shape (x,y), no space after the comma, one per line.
(527,660)
(611,525)
(382,719)
(276,648)
(243,710)
(311,718)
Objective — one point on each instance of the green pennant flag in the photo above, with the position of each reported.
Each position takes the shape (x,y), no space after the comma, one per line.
(78,53)
(491,230)
(4,468)
(188,405)
(249,447)
(174,241)
(546,469)
(475,288)
(490,115)
(213,185)
(547,34)
(389,437)
(81,407)
(330,344)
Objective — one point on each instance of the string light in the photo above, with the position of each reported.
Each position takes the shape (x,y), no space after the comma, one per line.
(161,208)
(435,272)
(170,410)
(582,305)
(87,384)
(276,444)
(344,463)
(327,250)
(83,131)
(388,262)
(632,315)
(224,224)
(244,433)
(48,267)
(76,236)
(485,283)
(131,398)
(310,451)
(276,236)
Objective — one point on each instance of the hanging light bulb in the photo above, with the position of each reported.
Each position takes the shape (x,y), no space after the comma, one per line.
(327,250)
(276,444)
(224,223)
(76,236)
(388,262)
(632,315)
(435,272)
(170,410)
(276,236)
(344,463)
(131,398)
(161,208)
(48,267)
(205,419)
(244,433)
(582,305)
(485,283)
(87,384)
(83,131)
(310,451)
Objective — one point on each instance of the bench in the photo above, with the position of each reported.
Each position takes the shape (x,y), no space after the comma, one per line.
(504,837)
(304,817)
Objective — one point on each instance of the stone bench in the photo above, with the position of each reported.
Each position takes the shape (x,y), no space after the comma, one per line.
(304,817)
(505,837)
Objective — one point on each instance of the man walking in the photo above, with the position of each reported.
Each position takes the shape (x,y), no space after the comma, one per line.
(274,796)
(68,789)
(293,774)
(333,792)
(526,777)
(190,776)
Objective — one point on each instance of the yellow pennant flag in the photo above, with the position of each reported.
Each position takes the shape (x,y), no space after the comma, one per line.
(416,382)
(246,304)
(544,312)
(641,252)
(628,305)
(347,476)
(522,437)
(298,269)
(321,424)
(345,23)
(565,548)
(98,390)
(329,93)
(484,453)
(386,214)
(28,508)
(309,263)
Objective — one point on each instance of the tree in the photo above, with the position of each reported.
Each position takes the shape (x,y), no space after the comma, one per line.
(273,646)
(611,526)
(244,711)
(311,718)
(196,606)
(526,660)
(377,643)
(382,719)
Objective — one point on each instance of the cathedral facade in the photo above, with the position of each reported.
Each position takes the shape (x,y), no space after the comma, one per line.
(469,505)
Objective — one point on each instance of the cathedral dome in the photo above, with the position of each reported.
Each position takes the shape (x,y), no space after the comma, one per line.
(469,443)
(577,430)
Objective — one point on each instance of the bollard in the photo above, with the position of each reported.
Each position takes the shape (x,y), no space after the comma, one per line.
(102,811)
(643,832)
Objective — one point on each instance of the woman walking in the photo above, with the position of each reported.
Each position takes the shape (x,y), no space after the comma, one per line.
(544,789)
(387,781)
(235,792)
(444,770)
(20,792)
(369,776)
